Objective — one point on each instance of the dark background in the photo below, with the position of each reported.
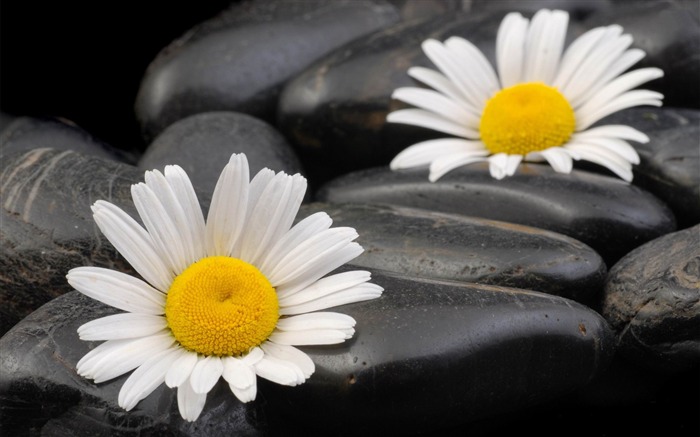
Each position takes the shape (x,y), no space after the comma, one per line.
(84,61)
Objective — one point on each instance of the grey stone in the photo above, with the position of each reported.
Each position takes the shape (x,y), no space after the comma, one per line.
(652,301)
(605,213)
(428,244)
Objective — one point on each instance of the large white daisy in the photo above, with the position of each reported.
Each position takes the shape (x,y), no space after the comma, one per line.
(227,298)
(540,106)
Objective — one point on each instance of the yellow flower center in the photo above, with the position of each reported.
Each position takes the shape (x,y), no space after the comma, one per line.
(527,117)
(221,306)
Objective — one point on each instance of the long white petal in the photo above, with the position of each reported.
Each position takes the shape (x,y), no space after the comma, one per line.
(117,289)
(359,293)
(437,103)
(454,69)
(557,157)
(510,48)
(425,152)
(229,203)
(430,120)
(627,100)
(311,337)
(308,253)
(544,45)
(237,373)
(134,243)
(292,355)
(446,163)
(613,131)
(119,326)
(320,320)
(616,68)
(116,357)
(278,371)
(190,403)
(604,157)
(206,373)
(181,369)
(162,228)
(272,216)
(322,287)
(183,189)
(145,379)
(481,76)
(616,87)
(442,84)
(620,147)
(302,231)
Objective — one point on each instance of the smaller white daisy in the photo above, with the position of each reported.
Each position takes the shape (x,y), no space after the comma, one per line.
(540,106)
(229,297)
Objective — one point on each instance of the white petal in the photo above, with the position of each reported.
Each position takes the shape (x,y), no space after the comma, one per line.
(579,51)
(308,302)
(116,357)
(253,356)
(452,67)
(497,165)
(544,45)
(425,152)
(604,157)
(190,403)
(290,354)
(117,289)
(558,158)
(229,203)
(245,395)
(322,287)
(481,76)
(614,131)
(437,103)
(618,66)
(447,163)
(512,164)
(162,228)
(134,243)
(430,120)
(616,87)
(272,215)
(145,379)
(302,231)
(309,253)
(310,337)
(119,326)
(279,372)
(510,48)
(628,100)
(442,84)
(184,191)
(620,147)
(237,373)
(205,374)
(181,369)
(320,320)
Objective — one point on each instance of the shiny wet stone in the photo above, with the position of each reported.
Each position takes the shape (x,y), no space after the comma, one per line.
(652,301)
(427,355)
(607,214)
(47,226)
(434,245)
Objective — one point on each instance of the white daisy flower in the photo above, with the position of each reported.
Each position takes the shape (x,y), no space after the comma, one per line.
(539,106)
(227,298)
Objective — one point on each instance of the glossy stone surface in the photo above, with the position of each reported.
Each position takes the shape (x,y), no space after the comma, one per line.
(605,213)
(240,59)
(423,243)
(203,143)
(426,356)
(652,301)
(47,226)
(23,134)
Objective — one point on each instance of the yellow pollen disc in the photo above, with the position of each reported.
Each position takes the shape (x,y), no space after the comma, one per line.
(527,117)
(221,306)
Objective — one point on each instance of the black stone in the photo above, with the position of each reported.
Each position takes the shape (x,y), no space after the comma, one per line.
(668,31)
(47,226)
(27,133)
(240,59)
(670,161)
(428,244)
(607,214)
(427,355)
(576,8)
(652,301)
(203,143)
